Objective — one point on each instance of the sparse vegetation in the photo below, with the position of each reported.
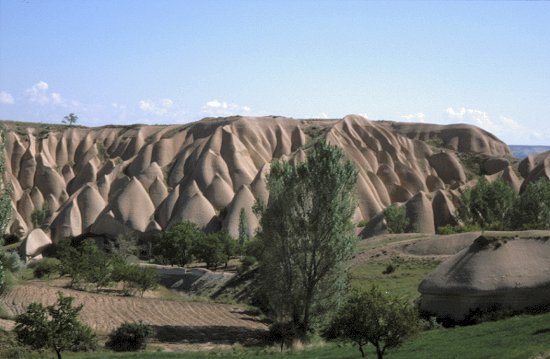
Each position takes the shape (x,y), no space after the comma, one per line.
(40,216)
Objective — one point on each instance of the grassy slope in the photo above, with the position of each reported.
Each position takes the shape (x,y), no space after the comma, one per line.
(515,338)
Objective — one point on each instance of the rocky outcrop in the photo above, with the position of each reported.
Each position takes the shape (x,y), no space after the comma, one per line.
(497,271)
(35,243)
(115,179)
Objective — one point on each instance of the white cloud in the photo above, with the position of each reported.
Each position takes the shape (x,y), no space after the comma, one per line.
(414,117)
(503,127)
(6,98)
(163,108)
(224,108)
(39,93)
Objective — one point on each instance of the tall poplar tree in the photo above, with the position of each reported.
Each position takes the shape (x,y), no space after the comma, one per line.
(308,237)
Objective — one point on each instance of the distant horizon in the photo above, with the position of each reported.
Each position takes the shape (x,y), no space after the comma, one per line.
(259,117)
(169,61)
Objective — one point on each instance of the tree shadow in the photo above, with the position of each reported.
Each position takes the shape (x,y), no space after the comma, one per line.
(208,334)
(541,331)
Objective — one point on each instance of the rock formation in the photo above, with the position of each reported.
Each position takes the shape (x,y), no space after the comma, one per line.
(492,273)
(114,179)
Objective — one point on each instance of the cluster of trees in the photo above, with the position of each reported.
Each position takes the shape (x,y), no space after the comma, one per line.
(185,242)
(495,205)
(85,263)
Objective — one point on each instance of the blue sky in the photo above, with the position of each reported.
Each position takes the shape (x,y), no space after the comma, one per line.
(163,61)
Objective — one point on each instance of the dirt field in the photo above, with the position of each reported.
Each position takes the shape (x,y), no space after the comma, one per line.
(175,321)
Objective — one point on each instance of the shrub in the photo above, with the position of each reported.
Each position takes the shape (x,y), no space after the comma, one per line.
(390,268)
(10,239)
(40,216)
(11,261)
(46,267)
(396,219)
(129,337)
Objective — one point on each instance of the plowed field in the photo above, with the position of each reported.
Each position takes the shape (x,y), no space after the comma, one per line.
(174,321)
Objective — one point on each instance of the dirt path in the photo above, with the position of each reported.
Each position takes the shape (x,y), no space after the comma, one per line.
(174,321)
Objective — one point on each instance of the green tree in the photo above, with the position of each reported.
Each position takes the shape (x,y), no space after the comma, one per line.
(532,209)
(488,205)
(174,246)
(56,327)
(373,317)
(142,278)
(214,249)
(243,230)
(308,236)
(396,219)
(70,119)
(85,263)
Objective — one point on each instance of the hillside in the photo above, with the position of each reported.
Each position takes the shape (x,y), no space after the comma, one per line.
(114,179)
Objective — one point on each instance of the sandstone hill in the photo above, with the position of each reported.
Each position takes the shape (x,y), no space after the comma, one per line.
(506,270)
(114,179)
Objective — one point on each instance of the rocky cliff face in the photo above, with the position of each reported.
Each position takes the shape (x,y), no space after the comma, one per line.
(113,179)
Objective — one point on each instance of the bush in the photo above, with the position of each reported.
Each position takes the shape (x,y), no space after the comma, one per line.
(10,239)
(11,261)
(396,219)
(46,267)
(129,337)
